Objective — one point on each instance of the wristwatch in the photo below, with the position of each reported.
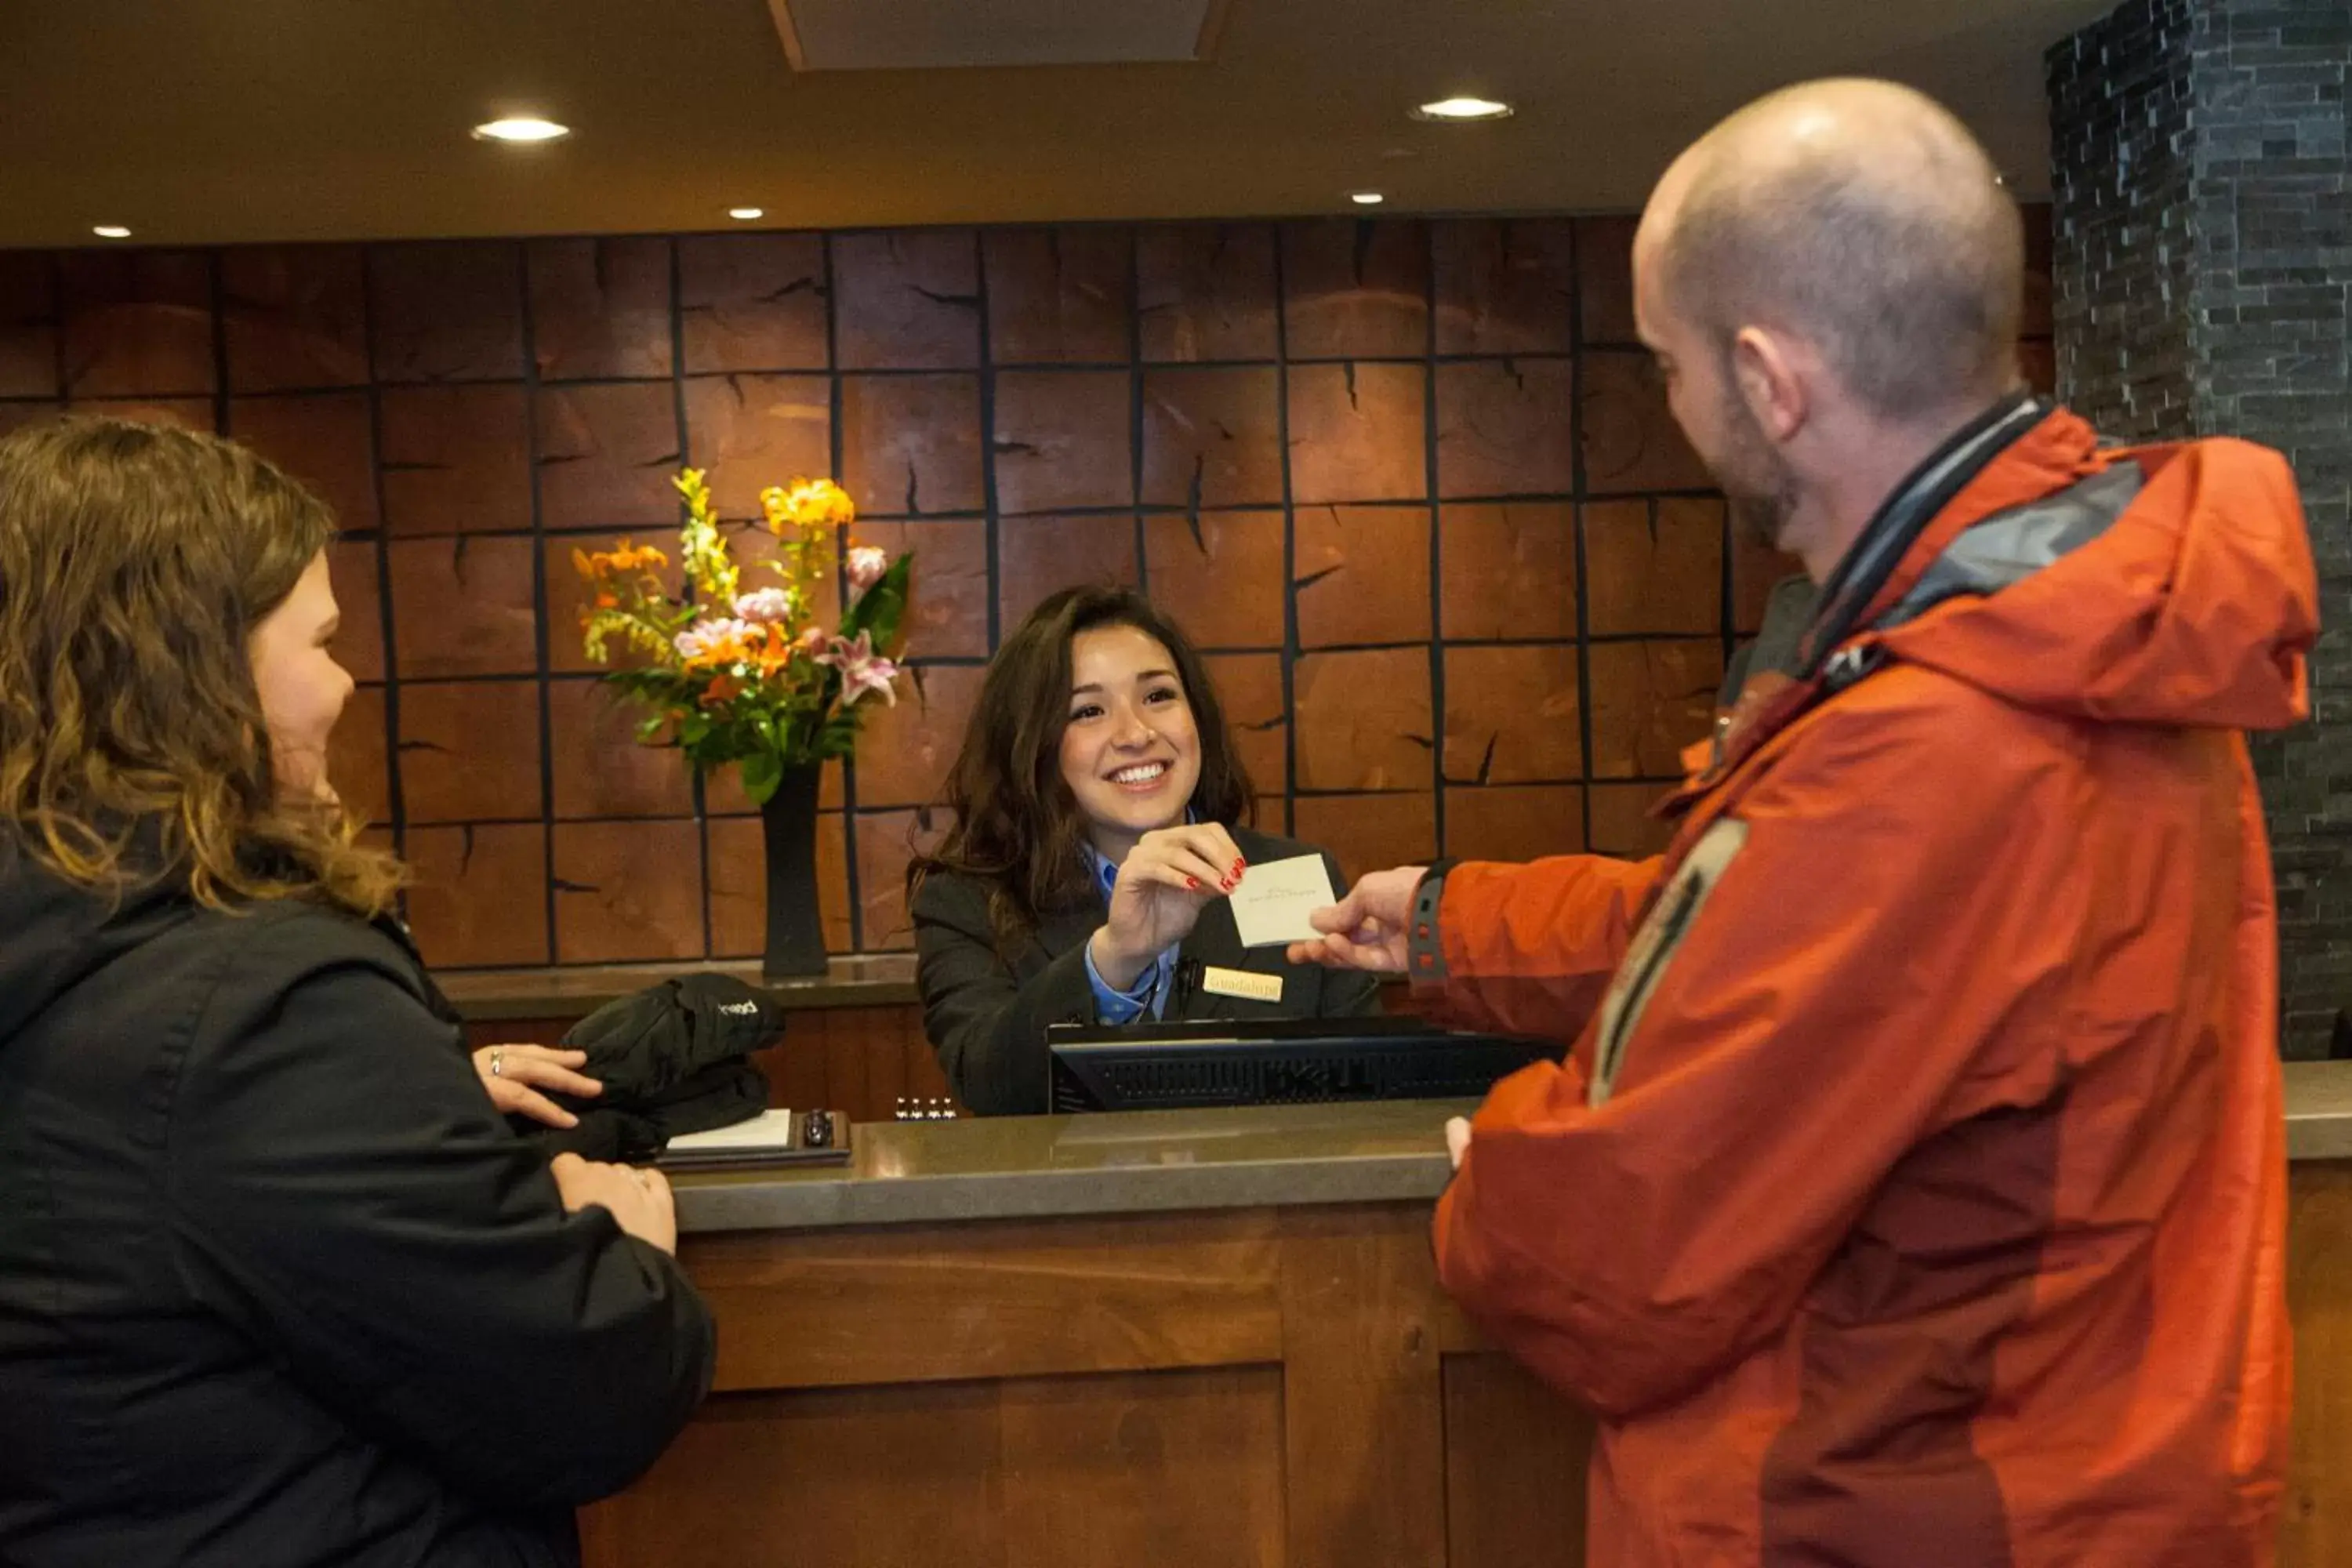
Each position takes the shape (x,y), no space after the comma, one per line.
(1424,955)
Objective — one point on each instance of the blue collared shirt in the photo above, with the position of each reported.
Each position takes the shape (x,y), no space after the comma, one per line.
(1151,988)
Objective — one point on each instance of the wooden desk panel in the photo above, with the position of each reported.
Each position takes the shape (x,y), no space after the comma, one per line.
(1258,1386)
(1263,1388)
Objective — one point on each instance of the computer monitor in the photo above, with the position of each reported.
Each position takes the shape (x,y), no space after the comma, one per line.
(1168,1066)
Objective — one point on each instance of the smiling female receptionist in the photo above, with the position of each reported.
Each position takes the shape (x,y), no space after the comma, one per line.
(1098,803)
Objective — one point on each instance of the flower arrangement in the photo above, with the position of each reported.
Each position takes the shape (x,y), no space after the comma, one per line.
(744,672)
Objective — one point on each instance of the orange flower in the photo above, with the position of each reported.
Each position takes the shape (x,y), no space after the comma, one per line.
(723,688)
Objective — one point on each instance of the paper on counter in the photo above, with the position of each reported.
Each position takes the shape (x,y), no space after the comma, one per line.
(1271,906)
(770,1130)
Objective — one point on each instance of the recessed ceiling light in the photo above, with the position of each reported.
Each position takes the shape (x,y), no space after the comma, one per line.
(111,231)
(1463,109)
(521,127)
(745,214)
(1366,198)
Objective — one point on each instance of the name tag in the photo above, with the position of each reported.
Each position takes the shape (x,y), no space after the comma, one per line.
(1241,983)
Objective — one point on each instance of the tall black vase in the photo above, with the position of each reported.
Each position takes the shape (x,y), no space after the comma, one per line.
(795,929)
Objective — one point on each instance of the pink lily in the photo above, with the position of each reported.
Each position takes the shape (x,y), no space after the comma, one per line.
(861,670)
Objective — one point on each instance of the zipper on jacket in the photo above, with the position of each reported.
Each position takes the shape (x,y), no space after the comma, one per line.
(1670,931)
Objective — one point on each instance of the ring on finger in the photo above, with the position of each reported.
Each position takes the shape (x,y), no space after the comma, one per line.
(498,1062)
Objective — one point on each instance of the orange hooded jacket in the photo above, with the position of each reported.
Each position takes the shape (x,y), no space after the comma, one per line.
(1918,1194)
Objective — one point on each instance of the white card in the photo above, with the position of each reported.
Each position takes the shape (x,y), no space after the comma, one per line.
(1271,906)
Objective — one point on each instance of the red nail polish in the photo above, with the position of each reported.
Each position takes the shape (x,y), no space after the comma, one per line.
(1193,883)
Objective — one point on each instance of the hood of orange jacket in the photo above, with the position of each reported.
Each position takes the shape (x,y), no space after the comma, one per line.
(2192,607)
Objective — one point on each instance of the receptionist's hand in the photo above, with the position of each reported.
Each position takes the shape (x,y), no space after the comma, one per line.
(1366,929)
(1163,884)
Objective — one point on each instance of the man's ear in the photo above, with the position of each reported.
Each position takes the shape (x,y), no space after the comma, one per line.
(1764,370)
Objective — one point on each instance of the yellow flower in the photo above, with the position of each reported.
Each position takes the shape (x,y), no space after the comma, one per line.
(806,503)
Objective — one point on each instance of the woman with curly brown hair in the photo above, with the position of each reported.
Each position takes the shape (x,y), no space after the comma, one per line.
(277,1283)
(1098,830)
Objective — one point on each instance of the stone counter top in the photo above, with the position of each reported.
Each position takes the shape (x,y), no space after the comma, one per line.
(1028,1167)
(870,980)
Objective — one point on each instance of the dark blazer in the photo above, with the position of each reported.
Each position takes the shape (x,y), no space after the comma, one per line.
(277,1287)
(987,1019)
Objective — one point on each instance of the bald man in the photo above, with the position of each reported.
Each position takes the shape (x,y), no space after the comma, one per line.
(1915,1195)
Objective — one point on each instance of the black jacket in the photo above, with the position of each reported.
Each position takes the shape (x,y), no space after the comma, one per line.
(987,1019)
(276,1285)
(673,1058)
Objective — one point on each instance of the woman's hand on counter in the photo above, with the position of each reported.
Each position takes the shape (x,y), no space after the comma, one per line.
(1163,884)
(514,1075)
(638,1200)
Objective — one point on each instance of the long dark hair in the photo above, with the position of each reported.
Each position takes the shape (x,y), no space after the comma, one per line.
(135,563)
(1017,827)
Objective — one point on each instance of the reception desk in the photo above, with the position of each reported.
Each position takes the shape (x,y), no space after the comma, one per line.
(1195,1339)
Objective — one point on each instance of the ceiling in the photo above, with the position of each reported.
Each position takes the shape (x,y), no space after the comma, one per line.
(216,120)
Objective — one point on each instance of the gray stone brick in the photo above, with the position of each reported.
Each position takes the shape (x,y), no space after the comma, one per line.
(2202,278)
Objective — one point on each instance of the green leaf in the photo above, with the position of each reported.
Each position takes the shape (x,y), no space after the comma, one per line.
(881,609)
(762,773)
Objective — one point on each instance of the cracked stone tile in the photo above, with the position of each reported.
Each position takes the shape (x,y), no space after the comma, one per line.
(1654,566)
(600,307)
(1505,285)
(886,840)
(1205,291)
(1514,822)
(905,749)
(1650,699)
(628,891)
(1506,427)
(1604,265)
(465,606)
(739,886)
(454,459)
(906,299)
(1631,440)
(480,893)
(1063,438)
(1508,570)
(325,440)
(1357,432)
(947,606)
(1211,438)
(1249,689)
(1368,832)
(445,311)
(1355,287)
(1218,574)
(28,325)
(1512,715)
(1059,296)
(607,455)
(137,323)
(1362,573)
(753,431)
(469,751)
(294,316)
(1364,720)
(597,765)
(1036,556)
(751,301)
(911,444)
